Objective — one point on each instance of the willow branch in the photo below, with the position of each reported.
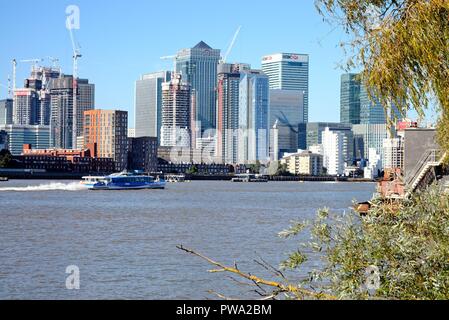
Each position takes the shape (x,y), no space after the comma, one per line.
(280,287)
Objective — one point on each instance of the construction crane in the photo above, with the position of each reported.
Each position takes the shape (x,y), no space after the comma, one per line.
(76,55)
(173,58)
(34,63)
(14,74)
(231,46)
(55,63)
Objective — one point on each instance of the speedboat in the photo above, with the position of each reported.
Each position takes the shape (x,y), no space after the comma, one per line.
(124,181)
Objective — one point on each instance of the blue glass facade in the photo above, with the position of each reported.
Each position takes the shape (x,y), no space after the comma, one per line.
(253,117)
(350,99)
(289,71)
(198,67)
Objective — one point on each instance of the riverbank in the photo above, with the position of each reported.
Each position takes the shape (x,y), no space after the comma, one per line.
(18,174)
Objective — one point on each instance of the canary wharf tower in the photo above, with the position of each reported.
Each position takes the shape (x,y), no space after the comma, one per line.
(289,71)
(198,67)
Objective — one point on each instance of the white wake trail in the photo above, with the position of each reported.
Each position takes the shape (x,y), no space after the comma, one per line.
(55,186)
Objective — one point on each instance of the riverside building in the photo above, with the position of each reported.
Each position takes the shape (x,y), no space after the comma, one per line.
(289,71)
(198,67)
(108,130)
(148,104)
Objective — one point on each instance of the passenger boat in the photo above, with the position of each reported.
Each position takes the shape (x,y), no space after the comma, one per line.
(175,178)
(90,181)
(123,181)
(247,177)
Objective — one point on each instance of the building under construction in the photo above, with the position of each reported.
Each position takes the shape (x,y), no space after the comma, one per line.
(176,113)
(61,119)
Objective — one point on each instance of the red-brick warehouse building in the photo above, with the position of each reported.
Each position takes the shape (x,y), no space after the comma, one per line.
(65,160)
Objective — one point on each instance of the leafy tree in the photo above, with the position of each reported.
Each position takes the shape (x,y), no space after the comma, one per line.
(402,47)
(193,170)
(255,168)
(389,254)
(283,170)
(5,158)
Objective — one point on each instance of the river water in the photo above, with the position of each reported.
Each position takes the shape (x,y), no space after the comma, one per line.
(124,242)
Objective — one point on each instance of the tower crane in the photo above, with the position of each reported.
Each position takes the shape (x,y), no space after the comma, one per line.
(8,87)
(76,55)
(14,74)
(34,63)
(55,63)
(173,58)
(231,46)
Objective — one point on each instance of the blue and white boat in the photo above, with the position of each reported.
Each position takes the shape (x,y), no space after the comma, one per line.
(123,181)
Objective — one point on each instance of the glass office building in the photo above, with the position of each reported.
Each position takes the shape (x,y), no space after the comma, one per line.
(286,113)
(310,134)
(6,112)
(374,113)
(289,71)
(350,99)
(18,135)
(371,136)
(148,104)
(356,106)
(253,142)
(198,67)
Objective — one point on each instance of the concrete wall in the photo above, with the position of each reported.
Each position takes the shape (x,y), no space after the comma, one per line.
(417,142)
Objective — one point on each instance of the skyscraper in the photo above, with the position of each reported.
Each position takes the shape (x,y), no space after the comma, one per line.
(356,106)
(333,152)
(6,112)
(176,113)
(61,119)
(198,67)
(311,135)
(371,136)
(374,113)
(289,71)
(350,99)
(286,112)
(47,76)
(32,103)
(18,135)
(148,100)
(108,130)
(228,110)
(26,104)
(253,143)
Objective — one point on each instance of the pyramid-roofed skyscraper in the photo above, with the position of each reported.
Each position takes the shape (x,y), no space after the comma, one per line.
(198,67)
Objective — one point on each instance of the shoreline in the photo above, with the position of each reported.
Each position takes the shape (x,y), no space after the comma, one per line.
(30,175)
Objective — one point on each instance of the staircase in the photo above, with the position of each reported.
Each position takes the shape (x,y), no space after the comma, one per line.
(423,172)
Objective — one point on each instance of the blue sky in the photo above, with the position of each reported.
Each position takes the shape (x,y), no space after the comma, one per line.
(120,40)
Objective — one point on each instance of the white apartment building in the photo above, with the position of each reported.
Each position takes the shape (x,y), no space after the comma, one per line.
(393,155)
(304,163)
(333,152)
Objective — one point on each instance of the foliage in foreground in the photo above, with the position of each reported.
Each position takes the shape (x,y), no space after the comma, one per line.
(386,255)
(402,46)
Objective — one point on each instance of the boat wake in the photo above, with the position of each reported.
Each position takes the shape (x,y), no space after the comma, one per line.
(55,186)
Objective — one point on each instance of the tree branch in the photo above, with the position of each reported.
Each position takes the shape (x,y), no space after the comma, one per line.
(298,292)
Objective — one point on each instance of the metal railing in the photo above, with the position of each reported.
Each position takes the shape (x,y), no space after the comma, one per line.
(431,158)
